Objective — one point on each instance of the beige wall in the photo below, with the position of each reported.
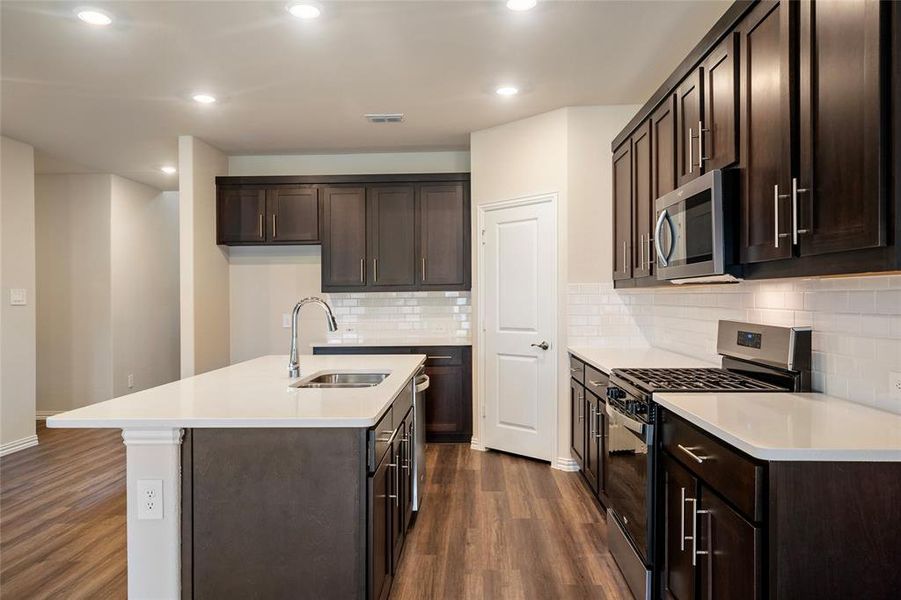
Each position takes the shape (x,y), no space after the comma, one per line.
(144,281)
(204,288)
(341,164)
(74,300)
(17,270)
(567,152)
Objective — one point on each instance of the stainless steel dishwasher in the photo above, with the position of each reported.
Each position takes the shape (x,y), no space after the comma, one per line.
(420,385)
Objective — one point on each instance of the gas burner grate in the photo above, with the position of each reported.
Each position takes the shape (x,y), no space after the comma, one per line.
(694,380)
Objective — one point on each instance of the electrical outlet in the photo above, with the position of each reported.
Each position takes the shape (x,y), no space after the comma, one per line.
(131,380)
(894,384)
(18,297)
(286,320)
(150,499)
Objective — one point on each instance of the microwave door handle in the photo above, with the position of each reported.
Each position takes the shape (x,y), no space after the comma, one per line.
(657,235)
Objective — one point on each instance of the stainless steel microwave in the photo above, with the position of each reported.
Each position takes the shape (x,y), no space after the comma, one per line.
(692,234)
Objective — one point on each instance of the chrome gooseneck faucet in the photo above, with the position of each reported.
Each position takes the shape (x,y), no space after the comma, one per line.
(293,366)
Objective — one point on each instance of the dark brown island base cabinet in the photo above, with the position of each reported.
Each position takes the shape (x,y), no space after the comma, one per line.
(297,513)
(588,393)
(739,528)
(448,414)
(378,232)
(803,99)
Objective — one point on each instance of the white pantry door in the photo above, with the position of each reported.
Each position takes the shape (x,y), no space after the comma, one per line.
(519,311)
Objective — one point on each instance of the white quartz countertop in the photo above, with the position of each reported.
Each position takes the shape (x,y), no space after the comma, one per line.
(607,359)
(792,427)
(394,341)
(255,393)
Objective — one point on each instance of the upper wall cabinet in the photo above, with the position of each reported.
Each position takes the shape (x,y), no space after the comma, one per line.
(765,132)
(622,211)
(642,202)
(841,176)
(718,139)
(689,104)
(278,214)
(378,232)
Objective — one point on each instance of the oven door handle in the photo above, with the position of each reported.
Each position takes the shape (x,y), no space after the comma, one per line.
(628,422)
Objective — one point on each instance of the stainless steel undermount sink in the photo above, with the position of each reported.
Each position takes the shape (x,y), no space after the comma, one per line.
(340,379)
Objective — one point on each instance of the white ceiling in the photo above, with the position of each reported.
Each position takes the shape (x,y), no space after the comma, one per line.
(115,99)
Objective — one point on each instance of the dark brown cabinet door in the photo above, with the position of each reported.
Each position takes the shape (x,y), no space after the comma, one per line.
(396,498)
(380,532)
(343,238)
(728,552)
(577,425)
(443,236)
(391,227)
(680,494)
(622,211)
(241,214)
(643,211)
(689,96)
(840,196)
(592,468)
(718,145)
(663,149)
(445,413)
(766,134)
(293,214)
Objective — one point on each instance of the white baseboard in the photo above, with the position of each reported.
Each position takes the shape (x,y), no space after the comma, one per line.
(475,444)
(42,415)
(25,442)
(565,464)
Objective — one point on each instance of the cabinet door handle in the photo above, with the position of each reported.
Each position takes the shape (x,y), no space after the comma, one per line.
(795,191)
(682,522)
(262,235)
(695,457)
(423,268)
(640,250)
(375,269)
(650,250)
(396,495)
(274,226)
(701,131)
(625,256)
(776,197)
(591,411)
(362,270)
(598,430)
(691,152)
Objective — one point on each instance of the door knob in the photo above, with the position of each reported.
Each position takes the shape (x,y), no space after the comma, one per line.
(542,345)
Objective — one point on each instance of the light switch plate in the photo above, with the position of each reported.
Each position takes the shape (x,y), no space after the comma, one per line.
(18,297)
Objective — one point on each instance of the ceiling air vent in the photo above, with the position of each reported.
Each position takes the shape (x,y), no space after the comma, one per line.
(384,117)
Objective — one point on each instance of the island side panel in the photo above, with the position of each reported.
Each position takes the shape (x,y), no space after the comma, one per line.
(277,513)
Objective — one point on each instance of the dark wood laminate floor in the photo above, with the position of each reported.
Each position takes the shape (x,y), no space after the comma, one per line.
(495,526)
(62,517)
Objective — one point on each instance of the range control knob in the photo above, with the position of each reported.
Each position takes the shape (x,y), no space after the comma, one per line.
(616,393)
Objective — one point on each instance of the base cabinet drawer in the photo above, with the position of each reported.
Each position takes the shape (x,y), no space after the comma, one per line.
(737,477)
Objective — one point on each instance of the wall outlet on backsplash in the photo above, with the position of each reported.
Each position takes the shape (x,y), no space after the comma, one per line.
(894,384)
(286,320)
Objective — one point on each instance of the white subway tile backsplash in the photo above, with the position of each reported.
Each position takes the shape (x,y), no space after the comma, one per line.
(856,324)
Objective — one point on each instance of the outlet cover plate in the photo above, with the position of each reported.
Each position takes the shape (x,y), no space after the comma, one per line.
(150,499)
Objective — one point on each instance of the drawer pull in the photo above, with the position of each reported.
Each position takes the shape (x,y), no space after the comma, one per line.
(595,383)
(699,459)
(574,369)
(439,357)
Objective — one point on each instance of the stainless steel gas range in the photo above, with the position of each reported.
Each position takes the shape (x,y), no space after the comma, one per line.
(755,358)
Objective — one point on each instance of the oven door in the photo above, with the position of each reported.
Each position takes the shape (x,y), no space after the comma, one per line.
(689,234)
(628,467)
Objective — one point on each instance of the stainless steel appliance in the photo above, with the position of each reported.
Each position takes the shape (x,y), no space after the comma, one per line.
(420,385)
(755,358)
(692,237)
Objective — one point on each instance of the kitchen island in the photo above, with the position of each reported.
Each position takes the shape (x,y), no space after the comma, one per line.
(241,483)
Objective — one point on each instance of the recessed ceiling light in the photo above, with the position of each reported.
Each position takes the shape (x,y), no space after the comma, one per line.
(506,90)
(521,5)
(92,16)
(204,98)
(168,169)
(304,11)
